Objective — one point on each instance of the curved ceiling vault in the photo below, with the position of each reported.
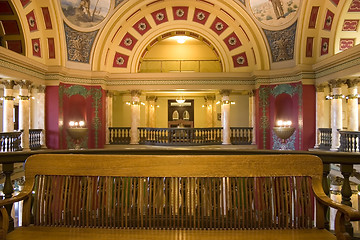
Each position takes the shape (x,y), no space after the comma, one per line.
(244,41)
(230,32)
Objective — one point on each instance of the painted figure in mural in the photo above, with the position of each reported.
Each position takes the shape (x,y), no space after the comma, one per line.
(84,7)
(278,8)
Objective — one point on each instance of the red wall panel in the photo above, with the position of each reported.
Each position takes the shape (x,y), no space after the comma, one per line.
(52,117)
(309,116)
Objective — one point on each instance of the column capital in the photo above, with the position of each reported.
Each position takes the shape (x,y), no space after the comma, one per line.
(251,93)
(320,88)
(110,93)
(41,88)
(9,84)
(151,98)
(24,84)
(225,92)
(135,93)
(352,82)
(210,98)
(336,83)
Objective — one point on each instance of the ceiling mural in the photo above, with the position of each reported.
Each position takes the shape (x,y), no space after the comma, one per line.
(274,12)
(85,13)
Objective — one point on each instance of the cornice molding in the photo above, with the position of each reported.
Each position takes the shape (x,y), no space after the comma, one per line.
(55,74)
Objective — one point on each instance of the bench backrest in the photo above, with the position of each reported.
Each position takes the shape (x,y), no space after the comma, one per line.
(142,191)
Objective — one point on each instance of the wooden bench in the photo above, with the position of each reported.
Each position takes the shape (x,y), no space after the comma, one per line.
(175,197)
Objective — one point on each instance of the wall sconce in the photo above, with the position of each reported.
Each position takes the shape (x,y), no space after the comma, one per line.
(281,123)
(208,106)
(75,124)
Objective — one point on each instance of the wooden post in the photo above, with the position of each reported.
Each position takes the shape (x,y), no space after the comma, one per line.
(346,170)
(326,171)
(8,169)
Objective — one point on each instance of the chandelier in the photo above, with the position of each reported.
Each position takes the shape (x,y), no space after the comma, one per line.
(180,100)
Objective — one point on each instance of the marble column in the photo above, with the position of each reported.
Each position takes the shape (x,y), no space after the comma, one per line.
(320,114)
(252,114)
(225,115)
(8,106)
(151,113)
(24,113)
(209,104)
(109,114)
(336,113)
(352,105)
(40,106)
(135,116)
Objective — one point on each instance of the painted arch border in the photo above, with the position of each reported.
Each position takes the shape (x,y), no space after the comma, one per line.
(128,14)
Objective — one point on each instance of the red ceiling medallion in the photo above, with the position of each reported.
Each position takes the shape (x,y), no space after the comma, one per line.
(142,26)
(328,20)
(36,47)
(31,21)
(232,41)
(200,16)
(128,41)
(180,13)
(159,16)
(120,60)
(240,60)
(219,26)
(324,46)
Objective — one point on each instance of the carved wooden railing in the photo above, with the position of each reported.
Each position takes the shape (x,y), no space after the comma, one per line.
(346,161)
(241,135)
(349,141)
(119,135)
(325,138)
(10,141)
(180,136)
(35,138)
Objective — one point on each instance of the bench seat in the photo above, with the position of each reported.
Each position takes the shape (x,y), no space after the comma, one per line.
(62,233)
(269,197)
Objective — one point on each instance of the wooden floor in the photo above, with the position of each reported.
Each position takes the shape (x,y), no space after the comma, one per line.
(46,233)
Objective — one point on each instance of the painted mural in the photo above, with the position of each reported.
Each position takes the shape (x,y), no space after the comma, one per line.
(85,13)
(274,12)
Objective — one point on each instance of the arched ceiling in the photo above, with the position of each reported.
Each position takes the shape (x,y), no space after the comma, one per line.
(310,32)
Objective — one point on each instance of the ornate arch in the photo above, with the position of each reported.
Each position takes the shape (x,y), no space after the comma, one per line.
(217,25)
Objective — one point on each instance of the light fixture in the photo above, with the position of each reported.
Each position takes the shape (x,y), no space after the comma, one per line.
(180,39)
(180,100)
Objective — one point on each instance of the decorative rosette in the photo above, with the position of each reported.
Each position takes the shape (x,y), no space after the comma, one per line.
(219,26)
(128,41)
(240,60)
(31,21)
(200,16)
(232,41)
(180,12)
(120,60)
(160,16)
(36,47)
(142,26)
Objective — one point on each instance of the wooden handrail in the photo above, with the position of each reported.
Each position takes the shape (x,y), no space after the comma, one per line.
(10,141)
(349,141)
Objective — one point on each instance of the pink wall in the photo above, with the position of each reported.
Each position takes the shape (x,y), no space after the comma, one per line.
(52,117)
(309,111)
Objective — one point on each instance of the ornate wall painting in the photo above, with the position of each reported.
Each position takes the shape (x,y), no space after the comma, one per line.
(274,12)
(85,13)
(79,44)
(282,43)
